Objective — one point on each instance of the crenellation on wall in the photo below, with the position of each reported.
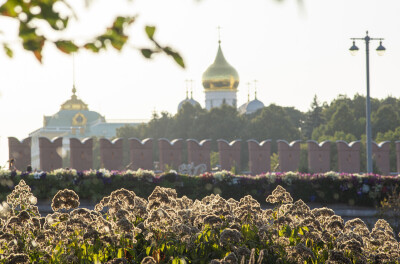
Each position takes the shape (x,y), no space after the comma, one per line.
(141,153)
(81,153)
(289,155)
(199,152)
(50,152)
(348,156)
(229,154)
(19,153)
(319,156)
(380,154)
(111,153)
(170,154)
(259,156)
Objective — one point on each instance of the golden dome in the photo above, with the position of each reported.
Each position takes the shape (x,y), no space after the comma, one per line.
(74,103)
(220,75)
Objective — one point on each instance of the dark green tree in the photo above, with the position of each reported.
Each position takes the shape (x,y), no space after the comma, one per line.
(186,122)
(313,118)
(295,116)
(385,119)
(342,120)
(223,122)
(273,122)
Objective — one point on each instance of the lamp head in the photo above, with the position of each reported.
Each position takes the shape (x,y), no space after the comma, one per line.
(353,49)
(381,49)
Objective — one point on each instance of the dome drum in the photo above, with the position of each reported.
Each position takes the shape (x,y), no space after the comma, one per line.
(221,83)
(218,98)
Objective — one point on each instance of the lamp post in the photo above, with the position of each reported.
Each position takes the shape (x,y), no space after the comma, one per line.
(380,50)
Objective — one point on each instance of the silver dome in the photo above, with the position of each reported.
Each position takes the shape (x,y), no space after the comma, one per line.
(251,107)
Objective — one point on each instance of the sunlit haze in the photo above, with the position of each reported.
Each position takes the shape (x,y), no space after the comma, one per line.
(294,49)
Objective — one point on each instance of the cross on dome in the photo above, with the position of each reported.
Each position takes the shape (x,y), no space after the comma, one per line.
(219,34)
(255,89)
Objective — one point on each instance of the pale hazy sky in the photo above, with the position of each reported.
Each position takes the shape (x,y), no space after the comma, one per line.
(294,51)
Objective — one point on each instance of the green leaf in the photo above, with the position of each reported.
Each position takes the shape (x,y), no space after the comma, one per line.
(31,41)
(50,16)
(118,41)
(179,59)
(66,46)
(175,55)
(55,224)
(148,251)
(83,250)
(120,253)
(119,22)
(91,47)
(8,51)
(96,259)
(150,31)
(147,53)
(8,9)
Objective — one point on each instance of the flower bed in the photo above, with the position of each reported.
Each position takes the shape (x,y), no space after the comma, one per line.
(325,188)
(165,228)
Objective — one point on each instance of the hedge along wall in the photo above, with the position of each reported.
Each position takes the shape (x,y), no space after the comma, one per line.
(326,188)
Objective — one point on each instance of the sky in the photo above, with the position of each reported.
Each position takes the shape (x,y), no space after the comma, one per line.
(294,50)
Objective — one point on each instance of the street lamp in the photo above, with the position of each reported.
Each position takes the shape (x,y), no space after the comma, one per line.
(380,50)
(354,49)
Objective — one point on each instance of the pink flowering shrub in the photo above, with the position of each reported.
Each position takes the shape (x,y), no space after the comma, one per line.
(327,188)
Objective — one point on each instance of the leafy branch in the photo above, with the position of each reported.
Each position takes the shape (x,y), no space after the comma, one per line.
(28,12)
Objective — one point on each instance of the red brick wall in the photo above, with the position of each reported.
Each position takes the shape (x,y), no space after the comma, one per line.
(259,156)
(111,154)
(229,154)
(380,154)
(81,154)
(348,156)
(20,152)
(170,153)
(289,155)
(141,153)
(199,152)
(50,153)
(319,156)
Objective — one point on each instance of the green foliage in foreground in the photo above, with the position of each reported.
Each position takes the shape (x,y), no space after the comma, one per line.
(325,188)
(125,228)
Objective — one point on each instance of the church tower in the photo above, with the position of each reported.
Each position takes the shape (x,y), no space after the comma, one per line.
(220,82)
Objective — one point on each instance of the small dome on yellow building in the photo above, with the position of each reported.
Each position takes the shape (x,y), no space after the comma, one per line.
(74,103)
(220,75)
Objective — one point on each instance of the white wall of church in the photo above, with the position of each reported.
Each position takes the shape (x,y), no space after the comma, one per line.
(218,98)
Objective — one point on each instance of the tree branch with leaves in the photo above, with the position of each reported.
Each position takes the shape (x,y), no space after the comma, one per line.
(30,13)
